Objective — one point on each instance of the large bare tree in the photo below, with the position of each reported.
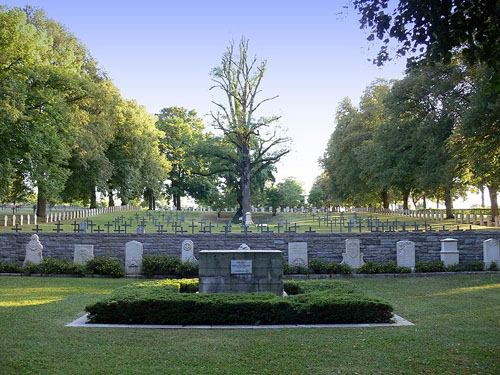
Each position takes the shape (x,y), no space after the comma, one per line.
(255,140)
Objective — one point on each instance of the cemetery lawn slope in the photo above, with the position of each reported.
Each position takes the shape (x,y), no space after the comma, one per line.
(456,332)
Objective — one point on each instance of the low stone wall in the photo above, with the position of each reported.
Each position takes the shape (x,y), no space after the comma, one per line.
(376,246)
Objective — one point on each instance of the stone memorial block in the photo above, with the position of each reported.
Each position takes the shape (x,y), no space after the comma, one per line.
(28,219)
(141,229)
(449,253)
(133,257)
(244,246)
(21,219)
(474,219)
(406,254)
(297,254)
(353,255)
(35,219)
(83,226)
(491,252)
(488,221)
(33,251)
(278,210)
(241,271)
(5,220)
(467,218)
(187,254)
(481,219)
(13,220)
(83,253)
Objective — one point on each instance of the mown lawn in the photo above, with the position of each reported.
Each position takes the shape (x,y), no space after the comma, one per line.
(457,332)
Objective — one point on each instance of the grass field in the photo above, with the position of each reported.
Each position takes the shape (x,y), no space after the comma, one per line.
(304,221)
(456,332)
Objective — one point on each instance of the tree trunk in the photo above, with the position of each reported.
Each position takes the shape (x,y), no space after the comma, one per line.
(385,199)
(415,201)
(424,201)
(437,203)
(41,205)
(406,195)
(177,202)
(482,196)
(448,202)
(493,189)
(93,198)
(246,195)
(111,202)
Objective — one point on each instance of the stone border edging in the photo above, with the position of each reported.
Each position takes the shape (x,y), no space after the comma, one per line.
(82,323)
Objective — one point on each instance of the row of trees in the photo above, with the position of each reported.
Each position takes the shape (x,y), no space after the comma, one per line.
(65,131)
(67,134)
(432,134)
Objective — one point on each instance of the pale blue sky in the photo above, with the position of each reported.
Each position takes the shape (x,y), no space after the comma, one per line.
(161,52)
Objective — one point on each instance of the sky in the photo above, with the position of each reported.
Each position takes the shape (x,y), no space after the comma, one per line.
(160,53)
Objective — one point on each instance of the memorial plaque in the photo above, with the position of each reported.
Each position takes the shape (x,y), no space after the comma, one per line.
(239,267)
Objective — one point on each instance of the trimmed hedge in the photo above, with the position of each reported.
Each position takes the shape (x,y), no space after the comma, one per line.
(165,265)
(320,266)
(105,266)
(391,267)
(438,266)
(161,303)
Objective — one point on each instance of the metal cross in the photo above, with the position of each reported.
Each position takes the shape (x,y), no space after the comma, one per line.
(58,227)
(37,229)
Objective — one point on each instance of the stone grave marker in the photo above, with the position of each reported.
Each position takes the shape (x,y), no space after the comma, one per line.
(83,253)
(353,255)
(449,253)
(491,252)
(248,219)
(133,257)
(297,254)
(33,251)
(406,254)
(187,254)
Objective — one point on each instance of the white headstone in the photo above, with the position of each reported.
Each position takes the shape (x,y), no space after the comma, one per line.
(297,254)
(353,255)
(28,219)
(13,220)
(491,252)
(133,257)
(406,254)
(33,251)
(83,253)
(21,219)
(248,219)
(449,253)
(187,254)
(244,246)
(5,220)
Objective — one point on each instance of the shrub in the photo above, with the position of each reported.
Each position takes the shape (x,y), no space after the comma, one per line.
(493,266)
(165,265)
(434,266)
(391,267)
(291,287)
(30,268)
(10,267)
(469,266)
(160,303)
(54,266)
(320,266)
(104,266)
(294,270)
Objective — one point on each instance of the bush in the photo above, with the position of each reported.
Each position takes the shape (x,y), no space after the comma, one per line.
(291,287)
(53,266)
(469,266)
(319,266)
(294,270)
(10,267)
(165,265)
(391,267)
(30,268)
(104,266)
(160,303)
(493,266)
(434,266)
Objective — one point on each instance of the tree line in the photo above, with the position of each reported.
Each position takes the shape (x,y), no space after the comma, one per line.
(66,134)
(431,135)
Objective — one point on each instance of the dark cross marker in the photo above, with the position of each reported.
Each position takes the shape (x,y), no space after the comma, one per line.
(99,230)
(90,224)
(160,229)
(17,228)
(210,226)
(312,231)
(119,229)
(192,226)
(267,229)
(143,222)
(245,230)
(76,227)
(131,221)
(108,224)
(279,226)
(125,225)
(58,227)
(37,229)
(227,229)
(181,231)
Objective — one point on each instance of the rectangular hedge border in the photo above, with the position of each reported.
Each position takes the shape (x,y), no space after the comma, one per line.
(161,303)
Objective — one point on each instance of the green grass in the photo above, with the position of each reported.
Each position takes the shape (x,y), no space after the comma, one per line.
(457,332)
(304,222)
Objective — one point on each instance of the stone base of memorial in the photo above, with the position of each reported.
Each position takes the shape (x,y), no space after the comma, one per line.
(241,271)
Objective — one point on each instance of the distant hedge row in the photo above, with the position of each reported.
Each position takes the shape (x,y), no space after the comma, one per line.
(154,265)
(161,303)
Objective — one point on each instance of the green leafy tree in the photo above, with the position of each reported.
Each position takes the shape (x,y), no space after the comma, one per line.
(292,193)
(254,142)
